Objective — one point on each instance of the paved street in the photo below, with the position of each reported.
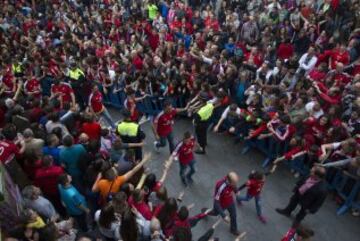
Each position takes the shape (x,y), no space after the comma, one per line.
(222,156)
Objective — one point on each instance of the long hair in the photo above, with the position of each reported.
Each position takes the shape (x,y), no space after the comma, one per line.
(107,216)
(166,212)
(128,228)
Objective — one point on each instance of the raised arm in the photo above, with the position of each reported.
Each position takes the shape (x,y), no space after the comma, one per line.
(131,173)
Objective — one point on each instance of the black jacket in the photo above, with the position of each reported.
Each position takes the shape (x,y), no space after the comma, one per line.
(314,197)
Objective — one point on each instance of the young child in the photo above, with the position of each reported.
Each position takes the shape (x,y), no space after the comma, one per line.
(254,186)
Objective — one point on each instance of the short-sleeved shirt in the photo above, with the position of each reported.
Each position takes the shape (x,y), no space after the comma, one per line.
(185,151)
(104,186)
(8,151)
(72,199)
(95,100)
(65,91)
(33,85)
(165,122)
(93,130)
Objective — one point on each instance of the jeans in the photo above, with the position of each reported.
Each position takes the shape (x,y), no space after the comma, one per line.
(191,172)
(170,139)
(106,115)
(232,211)
(248,197)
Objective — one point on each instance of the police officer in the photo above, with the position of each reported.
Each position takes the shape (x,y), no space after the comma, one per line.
(77,79)
(201,122)
(17,67)
(130,132)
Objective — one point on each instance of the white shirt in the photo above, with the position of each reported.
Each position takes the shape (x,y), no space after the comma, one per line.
(309,65)
(309,108)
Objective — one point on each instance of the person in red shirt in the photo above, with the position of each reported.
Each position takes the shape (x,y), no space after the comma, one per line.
(97,107)
(91,128)
(32,88)
(223,199)
(285,50)
(46,178)
(137,201)
(8,146)
(10,85)
(163,126)
(185,153)
(340,54)
(63,92)
(254,186)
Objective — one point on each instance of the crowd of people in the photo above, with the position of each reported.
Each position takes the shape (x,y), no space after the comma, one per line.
(283,74)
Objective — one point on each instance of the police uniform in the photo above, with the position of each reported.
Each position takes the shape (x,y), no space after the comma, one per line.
(17,70)
(130,132)
(77,78)
(201,122)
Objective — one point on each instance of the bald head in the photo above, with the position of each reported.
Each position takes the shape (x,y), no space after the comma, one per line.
(233,178)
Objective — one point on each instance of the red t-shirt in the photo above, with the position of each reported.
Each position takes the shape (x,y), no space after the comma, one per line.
(95,101)
(93,130)
(185,151)
(336,56)
(224,193)
(33,85)
(254,187)
(8,81)
(137,62)
(65,91)
(317,75)
(8,151)
(46,178)
(131,105)
(285,51)
(165,122)
(142,207)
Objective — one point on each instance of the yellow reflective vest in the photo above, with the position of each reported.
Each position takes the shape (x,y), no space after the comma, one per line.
(128,129)
(205,112)
(17,68)
(76,74)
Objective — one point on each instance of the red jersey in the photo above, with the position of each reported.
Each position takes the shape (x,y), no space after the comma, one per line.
(46,178)
(8,151)
(65,91)
(336,56)
(32,86)
(95,101)
(131,106)
(285,51)
(257,58)
(317,75)
(93,130)
(224,193)
(9,83)
(141,207)
(254,186)
(137,62)
(185,151)
(164,122)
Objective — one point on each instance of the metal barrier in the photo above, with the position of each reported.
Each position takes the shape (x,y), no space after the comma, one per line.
(270,147)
